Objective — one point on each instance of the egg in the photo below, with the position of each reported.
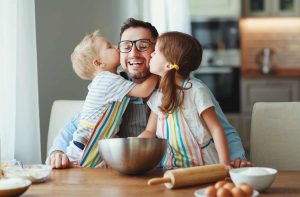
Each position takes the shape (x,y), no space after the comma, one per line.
(220,184)
(237,192)
(228,186)
(210,191)
(246,189)
(222,192)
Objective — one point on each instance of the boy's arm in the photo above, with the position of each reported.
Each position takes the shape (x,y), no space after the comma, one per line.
(144,89)
(211,120)
(150,131)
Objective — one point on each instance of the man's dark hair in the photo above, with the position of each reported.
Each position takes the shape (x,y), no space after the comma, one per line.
(131,22)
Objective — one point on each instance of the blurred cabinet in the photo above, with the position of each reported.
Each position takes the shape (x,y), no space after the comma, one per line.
(271,8)
(268,90)
(264,89)
(214,8)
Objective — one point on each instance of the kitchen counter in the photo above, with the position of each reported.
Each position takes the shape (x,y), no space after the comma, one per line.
(277,73)
(106,182)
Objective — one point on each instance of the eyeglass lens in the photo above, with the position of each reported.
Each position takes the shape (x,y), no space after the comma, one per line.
(141,45)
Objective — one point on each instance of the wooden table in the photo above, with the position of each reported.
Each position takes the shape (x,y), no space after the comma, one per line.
(106,182)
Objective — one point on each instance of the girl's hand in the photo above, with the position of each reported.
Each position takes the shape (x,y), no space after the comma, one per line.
(238,163)
(228,168)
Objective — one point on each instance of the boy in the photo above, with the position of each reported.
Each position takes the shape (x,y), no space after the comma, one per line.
(97,59)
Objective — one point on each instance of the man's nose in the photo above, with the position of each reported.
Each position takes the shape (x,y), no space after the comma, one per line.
(134,50)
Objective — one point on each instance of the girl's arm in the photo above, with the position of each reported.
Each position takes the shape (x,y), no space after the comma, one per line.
(150,131)
(217,132)
(144,89)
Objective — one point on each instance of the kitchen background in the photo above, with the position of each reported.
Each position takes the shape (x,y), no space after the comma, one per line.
(251,48)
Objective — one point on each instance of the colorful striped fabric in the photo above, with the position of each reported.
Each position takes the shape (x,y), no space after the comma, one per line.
(105,128)
(183,149)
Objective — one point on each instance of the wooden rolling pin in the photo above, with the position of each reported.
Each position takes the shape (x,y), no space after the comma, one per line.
(191,176)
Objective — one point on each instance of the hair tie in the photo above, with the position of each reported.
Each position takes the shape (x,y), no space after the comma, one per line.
(175,66)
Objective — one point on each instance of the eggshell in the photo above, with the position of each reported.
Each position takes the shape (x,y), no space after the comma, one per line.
(237,192)
(220,184)
(246,189)
(210,191)
(228,186)
(241,184)
(222,192)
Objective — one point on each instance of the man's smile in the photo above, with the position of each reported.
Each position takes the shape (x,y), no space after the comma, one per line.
(136,64)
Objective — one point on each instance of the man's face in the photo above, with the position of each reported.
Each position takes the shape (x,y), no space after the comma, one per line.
(136,63)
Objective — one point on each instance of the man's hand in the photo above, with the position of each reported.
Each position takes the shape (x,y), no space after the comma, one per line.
(238,163)
(59,160)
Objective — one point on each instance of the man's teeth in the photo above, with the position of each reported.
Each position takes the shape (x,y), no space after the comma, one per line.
(135,62)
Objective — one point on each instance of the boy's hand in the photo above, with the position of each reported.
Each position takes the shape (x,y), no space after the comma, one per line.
(59,160)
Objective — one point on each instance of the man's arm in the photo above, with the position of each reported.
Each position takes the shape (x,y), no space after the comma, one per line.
(57,157)
(65,135)
(237,152)
(233,139)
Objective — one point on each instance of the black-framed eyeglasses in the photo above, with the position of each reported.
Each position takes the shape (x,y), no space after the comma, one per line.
(125,46)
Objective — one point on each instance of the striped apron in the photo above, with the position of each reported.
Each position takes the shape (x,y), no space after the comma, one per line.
(183,150)
(105,128)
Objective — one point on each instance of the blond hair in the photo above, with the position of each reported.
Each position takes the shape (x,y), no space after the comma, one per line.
(83,56)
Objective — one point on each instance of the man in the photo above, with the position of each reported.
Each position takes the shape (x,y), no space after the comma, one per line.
(136,45)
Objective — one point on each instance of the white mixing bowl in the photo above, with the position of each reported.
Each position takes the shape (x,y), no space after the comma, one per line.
(260,178)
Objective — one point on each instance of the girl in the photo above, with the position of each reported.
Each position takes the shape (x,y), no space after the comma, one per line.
(181,109)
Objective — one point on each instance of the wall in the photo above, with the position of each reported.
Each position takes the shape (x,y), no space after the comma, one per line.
(60,25)
(281,36)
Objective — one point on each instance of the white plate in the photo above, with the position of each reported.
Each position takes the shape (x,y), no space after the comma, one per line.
(37,173)
(13,186)
(200,193)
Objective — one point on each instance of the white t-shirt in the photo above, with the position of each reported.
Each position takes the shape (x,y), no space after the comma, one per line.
(196,100)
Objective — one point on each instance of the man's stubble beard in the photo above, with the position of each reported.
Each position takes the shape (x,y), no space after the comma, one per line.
(139,77)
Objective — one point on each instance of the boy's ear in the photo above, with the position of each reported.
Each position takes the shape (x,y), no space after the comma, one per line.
(96,62)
